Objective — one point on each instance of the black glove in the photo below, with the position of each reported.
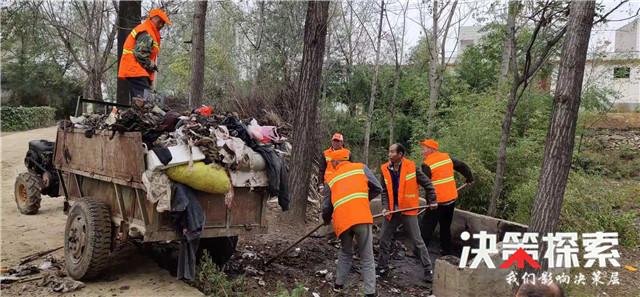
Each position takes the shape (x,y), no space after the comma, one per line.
(326,221)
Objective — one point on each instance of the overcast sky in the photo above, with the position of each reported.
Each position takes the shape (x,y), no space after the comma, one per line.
(600,33)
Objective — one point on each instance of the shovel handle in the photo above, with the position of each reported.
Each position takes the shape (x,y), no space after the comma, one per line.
(458,189)
(318,227)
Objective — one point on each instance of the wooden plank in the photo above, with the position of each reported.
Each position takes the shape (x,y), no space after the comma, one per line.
(247,207)
(118,159)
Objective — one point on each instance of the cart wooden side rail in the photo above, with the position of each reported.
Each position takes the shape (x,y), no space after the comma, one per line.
(102,174)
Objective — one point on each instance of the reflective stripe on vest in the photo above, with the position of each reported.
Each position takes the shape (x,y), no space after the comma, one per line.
(442,176)
(342,176)
(441,163)
(129,66)
(350,197)
(407,189)
(444,180)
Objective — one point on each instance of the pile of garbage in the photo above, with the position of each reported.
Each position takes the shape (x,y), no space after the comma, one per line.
(197,150)
(49,273)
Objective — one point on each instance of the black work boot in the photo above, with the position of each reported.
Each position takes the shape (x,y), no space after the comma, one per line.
(428,276)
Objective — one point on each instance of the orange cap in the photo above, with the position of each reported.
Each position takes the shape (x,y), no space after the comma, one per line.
(337,136)
(160,13)
(338,155)
(430,143)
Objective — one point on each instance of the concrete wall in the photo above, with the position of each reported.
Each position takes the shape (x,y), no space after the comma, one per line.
(628,37)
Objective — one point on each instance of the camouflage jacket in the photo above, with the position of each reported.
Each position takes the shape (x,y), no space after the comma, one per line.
(142,51)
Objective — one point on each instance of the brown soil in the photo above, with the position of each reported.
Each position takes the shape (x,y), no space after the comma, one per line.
(132,273)
(300,268)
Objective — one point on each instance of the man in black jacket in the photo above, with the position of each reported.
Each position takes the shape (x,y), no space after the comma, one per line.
(440,167)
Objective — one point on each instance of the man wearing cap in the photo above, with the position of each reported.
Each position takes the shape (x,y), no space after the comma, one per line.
(440,167)
(337,144)
(140,53)
(346,200)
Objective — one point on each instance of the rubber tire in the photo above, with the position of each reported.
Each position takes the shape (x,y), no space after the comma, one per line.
(219,248)
(95,257)
(33,184)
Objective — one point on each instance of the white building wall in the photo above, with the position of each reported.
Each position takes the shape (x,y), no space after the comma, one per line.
(628,37)
(601,73)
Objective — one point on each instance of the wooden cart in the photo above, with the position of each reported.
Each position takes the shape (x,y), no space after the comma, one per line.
(102,177)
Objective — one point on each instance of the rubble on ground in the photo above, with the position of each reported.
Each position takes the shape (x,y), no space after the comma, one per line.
(49,273)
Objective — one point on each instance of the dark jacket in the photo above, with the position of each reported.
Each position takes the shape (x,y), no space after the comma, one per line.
(423,180)
(374,190)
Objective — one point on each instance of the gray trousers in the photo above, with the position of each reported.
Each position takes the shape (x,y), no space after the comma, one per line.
(364,237)
(411,226)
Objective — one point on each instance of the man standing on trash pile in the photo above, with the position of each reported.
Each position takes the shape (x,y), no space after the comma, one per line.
(401,179)
(349,190)
(326,169)
(440,168)
(140,53)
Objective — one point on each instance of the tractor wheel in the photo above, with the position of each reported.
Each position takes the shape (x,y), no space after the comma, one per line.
(27,193)
(87,239)
(219,248)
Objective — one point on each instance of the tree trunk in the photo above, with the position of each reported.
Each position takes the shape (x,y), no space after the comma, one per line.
(396,83)
(501,164)
(128,17)
(304,136)
(197,53)
(506,53)
(433,73)
(374,88)
(560,141)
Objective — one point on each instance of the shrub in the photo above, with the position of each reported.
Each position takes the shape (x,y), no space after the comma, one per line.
(213,282)
(591,203)
(25,118)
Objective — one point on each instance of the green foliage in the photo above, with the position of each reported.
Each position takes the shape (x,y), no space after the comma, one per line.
(298,291)
(598,98)
(476,69)
(213,282)
(36,69)
(25,118)
(591,203)
(596,204)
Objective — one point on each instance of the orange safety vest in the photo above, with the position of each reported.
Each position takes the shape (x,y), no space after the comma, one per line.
(442,176)
(407,189)
(349,197)
(329,171)
(129,66)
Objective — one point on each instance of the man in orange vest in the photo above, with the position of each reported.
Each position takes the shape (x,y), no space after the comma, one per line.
(440,168)
(326,169)
(140,53)
(401,178)
(349,190)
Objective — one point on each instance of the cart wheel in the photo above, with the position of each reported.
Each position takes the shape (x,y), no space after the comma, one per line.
(27,193)
(220,248)
(87,239)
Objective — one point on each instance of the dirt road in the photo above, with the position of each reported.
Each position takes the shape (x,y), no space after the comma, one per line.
(132,274)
